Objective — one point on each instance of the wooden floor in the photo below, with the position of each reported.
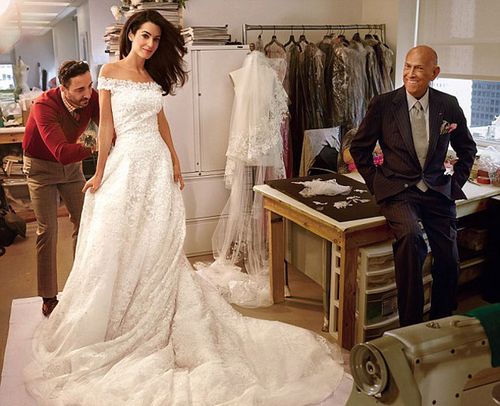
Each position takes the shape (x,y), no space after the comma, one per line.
(18,280)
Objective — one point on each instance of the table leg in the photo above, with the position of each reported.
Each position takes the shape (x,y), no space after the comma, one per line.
(276,256)
(327,280)
(347,314)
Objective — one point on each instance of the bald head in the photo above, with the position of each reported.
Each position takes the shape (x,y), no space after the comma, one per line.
(419,70)
(426,52)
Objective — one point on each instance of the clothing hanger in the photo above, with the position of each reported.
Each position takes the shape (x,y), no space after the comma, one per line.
(369,35)
(291,40)
(302,37)
(274,40)
(327,37)
(341,36)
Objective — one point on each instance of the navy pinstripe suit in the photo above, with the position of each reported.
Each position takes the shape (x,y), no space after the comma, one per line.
(405,207)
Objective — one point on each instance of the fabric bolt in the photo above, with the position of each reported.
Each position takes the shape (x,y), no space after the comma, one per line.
(420,139)
(135,325)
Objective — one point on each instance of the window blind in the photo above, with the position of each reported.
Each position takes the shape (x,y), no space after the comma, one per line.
(465,34)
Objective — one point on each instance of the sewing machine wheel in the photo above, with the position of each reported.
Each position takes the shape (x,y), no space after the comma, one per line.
(368,369)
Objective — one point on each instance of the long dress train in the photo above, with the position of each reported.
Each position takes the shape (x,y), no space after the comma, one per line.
(135,324)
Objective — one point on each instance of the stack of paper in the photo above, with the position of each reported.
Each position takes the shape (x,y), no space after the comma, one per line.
(170,11)
(112,38)
(206,35)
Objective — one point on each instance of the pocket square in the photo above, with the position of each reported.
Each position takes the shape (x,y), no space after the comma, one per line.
(447,128)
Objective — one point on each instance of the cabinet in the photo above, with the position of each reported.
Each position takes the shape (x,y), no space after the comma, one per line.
(199,116)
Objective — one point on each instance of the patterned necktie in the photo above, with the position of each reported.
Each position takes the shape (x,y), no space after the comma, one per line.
(420,139)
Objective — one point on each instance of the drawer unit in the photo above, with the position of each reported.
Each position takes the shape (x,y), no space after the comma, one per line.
(379,305)
(376,292)
(386,277)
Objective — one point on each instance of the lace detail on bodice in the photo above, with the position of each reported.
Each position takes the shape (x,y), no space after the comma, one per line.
(134,105)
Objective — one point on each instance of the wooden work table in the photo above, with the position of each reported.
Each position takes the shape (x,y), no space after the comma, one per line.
(346,238)
(11,135)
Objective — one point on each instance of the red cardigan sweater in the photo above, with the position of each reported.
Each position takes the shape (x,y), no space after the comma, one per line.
(51,131)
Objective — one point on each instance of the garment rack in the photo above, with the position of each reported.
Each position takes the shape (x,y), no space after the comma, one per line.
(309,27)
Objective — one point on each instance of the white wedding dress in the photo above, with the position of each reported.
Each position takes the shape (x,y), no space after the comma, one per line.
(135,324)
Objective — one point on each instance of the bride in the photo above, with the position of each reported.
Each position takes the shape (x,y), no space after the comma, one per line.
(135,324)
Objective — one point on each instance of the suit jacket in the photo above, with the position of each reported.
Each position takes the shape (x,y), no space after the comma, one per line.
(388,122)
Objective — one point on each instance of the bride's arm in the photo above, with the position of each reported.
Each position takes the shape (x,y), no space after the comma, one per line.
(105,138)
(167,137)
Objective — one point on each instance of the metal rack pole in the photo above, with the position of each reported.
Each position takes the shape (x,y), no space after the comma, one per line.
(311,27)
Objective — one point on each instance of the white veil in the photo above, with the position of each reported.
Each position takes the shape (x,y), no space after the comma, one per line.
(254,155)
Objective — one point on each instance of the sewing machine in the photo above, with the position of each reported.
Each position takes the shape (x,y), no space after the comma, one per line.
(442,362)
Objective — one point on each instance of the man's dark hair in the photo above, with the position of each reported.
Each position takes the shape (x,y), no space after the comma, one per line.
(70,69)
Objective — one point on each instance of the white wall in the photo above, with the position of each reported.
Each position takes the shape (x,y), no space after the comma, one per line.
(94,15)
(65,40)
(383,12)
(100,17)
(406,34)
(6,58)
(33,49)
(83,24)
(235,13)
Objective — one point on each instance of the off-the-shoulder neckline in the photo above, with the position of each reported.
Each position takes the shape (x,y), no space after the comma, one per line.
(150,82)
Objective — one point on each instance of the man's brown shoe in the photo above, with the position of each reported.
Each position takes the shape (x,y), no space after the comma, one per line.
(49,304)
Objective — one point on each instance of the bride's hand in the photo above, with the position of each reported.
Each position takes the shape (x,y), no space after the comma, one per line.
(92,184)
(177,175)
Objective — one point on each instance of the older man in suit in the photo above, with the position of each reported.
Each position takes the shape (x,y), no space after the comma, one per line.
(414,126)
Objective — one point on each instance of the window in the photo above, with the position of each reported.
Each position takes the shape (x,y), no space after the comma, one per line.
(7,84)
(466,36)
(481,112)
(6,77)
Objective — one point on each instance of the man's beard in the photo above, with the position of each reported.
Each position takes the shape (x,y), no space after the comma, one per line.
(81,103)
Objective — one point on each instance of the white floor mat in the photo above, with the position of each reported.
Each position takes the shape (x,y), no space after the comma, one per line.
(25,316)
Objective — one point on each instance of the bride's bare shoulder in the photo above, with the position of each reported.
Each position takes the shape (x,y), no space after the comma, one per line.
(110,70)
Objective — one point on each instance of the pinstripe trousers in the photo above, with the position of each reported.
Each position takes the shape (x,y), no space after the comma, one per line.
(409,214)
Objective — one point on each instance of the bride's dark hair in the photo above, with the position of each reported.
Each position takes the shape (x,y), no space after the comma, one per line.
(166,65)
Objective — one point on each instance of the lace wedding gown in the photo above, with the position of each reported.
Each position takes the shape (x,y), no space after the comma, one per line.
(135,324)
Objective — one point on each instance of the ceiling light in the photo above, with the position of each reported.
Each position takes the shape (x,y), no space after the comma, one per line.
(39,14)
(47,3)
(24,22)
